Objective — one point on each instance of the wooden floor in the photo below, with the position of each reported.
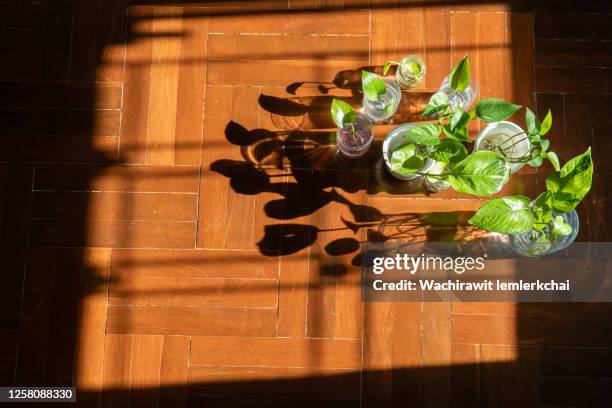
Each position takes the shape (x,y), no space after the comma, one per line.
(177,229)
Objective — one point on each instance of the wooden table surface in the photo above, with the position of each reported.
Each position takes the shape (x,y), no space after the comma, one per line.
(177,228)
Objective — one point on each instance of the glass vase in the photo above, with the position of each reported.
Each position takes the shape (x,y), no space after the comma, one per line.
(354,140)
(539,243)
(410,71)
(507,136)
(463,99)
(385,106)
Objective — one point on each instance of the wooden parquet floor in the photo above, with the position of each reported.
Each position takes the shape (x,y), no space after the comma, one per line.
(177,229)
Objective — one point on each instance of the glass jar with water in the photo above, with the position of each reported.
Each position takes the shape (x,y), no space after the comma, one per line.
(385,105)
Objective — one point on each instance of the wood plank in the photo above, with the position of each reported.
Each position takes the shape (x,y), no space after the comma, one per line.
(229,225)
(263,352)
(67,95)
(406,353)
(113,30)
(377,381)
(45,149)
(194,264)
(237,47)
(277,72)
(576,26)
(436,352)
(578,392)
(353,22)
(294,264)
(163,94)
(111,233)
(146,370)
(190,321)
(274,382)
(437,35)
(521,54)
(58,40)
(509,375)
(22,15)
(575,362)
(187,292)
(86,177)
(502,330)
(16,196)
(55,278)
(9,341)
(118,351)
(254,402)
(174,373)
(114,206)
(61,122)
(85,25)
(191,88)
(136,88)
(90,342)
(465,385)
(587,80)
(573,53)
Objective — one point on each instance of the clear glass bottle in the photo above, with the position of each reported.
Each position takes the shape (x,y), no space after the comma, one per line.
(410,71)
(530,244)
(354,139)
(386,105)
(463,99)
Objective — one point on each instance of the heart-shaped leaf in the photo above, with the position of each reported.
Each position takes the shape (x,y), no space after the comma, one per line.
(481,173)
(437,103)
(536,161)
(413,68)
(506,215)
(427,134)
(449,150)
(554,160)
(412,165)
(542,209)
(570,184)
(532,121)
(495,109)
(406,160)
(546,124)
(460,75)
(560,228)
(342,113)
(399,156)
(373,86)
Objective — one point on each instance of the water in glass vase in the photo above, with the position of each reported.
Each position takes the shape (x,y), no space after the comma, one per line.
(410,71)
(538,243)
(463,99)
(385,105)
(353,140)
(507,138)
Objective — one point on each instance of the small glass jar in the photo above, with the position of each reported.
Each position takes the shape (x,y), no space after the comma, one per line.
(385,105)
(508,137)
(527,244)
(410,71)
(354,139)
(463,99)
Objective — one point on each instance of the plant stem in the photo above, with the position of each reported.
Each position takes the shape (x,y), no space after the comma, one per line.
(512,137)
